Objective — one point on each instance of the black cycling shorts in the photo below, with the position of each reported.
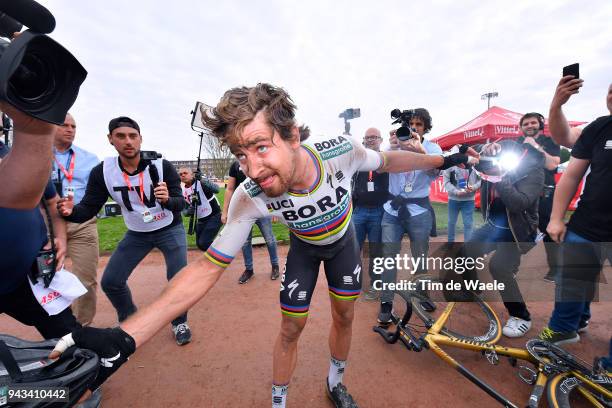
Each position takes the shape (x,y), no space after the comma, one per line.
(342,263)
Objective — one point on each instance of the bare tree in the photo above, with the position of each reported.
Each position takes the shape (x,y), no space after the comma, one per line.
(221,155)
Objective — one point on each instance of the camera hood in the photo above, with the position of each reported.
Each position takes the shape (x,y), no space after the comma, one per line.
(39,77)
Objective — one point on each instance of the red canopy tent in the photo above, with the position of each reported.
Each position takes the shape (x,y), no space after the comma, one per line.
(495,123)
(492,125)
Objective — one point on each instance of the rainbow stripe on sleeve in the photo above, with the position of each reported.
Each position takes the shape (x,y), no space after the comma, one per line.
(217,257)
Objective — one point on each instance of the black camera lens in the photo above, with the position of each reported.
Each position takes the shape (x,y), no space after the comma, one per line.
(403,133)
(33,79)
(39,77)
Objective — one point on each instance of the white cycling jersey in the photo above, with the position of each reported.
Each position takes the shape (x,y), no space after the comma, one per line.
(319,215)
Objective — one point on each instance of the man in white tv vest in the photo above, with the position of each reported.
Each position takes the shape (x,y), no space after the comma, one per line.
(148,189)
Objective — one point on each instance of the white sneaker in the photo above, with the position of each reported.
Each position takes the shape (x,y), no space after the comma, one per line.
(516,327)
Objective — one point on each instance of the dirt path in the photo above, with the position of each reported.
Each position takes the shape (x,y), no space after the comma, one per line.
(229,362)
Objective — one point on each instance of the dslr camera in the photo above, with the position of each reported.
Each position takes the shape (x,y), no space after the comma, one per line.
(38,76)
(403,133)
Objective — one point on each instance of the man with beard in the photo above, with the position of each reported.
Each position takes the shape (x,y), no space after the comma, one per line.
(307,186)
(151,200)
(532,126)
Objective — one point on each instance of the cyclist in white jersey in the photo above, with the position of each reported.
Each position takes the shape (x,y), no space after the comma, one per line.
(307,186)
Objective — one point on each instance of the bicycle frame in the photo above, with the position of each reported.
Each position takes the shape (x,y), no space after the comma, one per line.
(433,340)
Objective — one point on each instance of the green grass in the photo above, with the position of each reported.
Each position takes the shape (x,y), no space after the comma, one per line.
(441,210)
(112,229)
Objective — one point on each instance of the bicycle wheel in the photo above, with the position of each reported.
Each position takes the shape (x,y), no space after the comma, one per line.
(564,390)
(471,319)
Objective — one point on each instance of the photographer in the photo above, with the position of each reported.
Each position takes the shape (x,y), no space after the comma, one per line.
(409,210)
(149,192)
(509,204)
(586,237)
(208,211)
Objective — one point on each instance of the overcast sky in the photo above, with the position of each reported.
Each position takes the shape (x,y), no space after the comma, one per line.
(152,60)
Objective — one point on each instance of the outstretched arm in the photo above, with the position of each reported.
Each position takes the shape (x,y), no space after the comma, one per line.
(190,285)
(403,161)
(560,130)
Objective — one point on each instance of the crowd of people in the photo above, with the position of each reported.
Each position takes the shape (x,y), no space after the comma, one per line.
(333,193)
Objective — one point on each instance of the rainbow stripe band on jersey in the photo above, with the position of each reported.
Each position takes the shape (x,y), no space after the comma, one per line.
(343,294)
(332,227)
(319,179)
(294,311)
(217,257)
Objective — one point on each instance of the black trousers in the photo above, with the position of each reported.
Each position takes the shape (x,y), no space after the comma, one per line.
(551,247)
(21,305)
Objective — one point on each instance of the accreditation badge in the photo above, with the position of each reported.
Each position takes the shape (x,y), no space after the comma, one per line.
(147,217)
(69,191)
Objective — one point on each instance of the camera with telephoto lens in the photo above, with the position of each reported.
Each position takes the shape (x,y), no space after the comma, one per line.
(403,133)
(38,76)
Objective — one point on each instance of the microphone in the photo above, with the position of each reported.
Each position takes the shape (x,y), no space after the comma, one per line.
(29,13)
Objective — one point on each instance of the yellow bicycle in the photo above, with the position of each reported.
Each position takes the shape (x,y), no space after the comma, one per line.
(565,378)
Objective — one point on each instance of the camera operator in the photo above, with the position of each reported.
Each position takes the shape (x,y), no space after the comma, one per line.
(532,126)
(208,211)
(151,200)
(509,204)
(24,235)
(409,210)
(587,236)
(370,192)
(71,169)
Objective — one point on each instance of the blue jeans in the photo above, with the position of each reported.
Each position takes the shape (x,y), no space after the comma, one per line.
(466,208)
(496,236)
(418,228)
(132,249)
(265,226)
(367,222)
(576,282)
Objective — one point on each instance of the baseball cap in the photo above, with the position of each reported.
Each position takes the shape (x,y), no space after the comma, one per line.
(122,121)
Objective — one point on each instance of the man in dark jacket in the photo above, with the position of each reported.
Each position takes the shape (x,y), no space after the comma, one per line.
(509,204)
